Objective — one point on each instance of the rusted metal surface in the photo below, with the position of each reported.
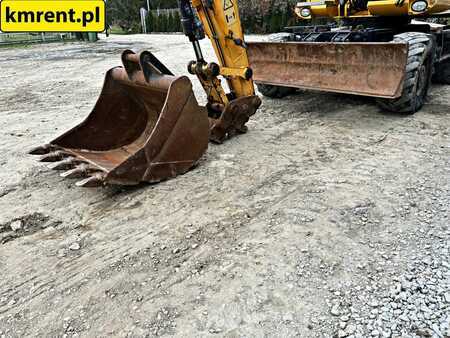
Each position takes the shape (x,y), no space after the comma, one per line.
(370,69)
(233,118)
(145,127)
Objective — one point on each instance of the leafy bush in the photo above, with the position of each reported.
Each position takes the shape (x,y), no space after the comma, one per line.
(264,16)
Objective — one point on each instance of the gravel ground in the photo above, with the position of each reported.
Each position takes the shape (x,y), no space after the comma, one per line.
(330,218)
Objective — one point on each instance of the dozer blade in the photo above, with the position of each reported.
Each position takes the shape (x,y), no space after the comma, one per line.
(145,127)
(370,69)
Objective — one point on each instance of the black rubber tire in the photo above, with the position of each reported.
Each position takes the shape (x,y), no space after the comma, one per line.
(442,73)
(275,92)
(419,70)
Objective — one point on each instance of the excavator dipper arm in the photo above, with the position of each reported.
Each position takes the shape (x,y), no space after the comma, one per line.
(220,21)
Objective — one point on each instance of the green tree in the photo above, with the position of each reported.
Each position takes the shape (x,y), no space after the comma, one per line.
(171,23)
(177,21)
(124,13)
(285,16)
(150,22)
(156,22)
(274,22)
(163,23)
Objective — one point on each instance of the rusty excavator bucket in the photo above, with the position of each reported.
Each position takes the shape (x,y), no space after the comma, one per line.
(146,127)
(369,69)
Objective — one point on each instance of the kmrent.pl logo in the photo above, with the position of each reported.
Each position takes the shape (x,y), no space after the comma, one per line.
(52,16)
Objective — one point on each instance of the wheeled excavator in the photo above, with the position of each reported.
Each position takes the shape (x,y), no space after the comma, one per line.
(147,125)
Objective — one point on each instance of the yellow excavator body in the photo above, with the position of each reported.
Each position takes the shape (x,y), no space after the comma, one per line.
(376,8)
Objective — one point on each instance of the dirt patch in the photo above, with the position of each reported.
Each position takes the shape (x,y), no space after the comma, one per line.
(26,225)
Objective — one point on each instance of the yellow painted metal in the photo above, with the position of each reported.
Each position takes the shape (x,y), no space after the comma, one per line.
(375,8)
(388,8)
(234,72)
(214,90)
(438,6)
(222,25)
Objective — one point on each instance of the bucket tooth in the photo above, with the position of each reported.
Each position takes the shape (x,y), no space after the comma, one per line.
(80,171)
(42,150)
(67,164)
(54,156)
(94,181)
(72,173)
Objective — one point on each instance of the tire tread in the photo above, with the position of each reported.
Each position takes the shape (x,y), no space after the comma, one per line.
(419,50)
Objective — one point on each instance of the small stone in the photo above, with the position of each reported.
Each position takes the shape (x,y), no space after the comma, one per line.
(404,318)
(427,260)
(342,334)
(386,334)
(16,225)
(49,230)
(335,310)
(288,317)
(175,251)
(436,330)
(350,329)
(447,297)
(424,333)
(194,246)
(345,318)
(75,247)
(375,333)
